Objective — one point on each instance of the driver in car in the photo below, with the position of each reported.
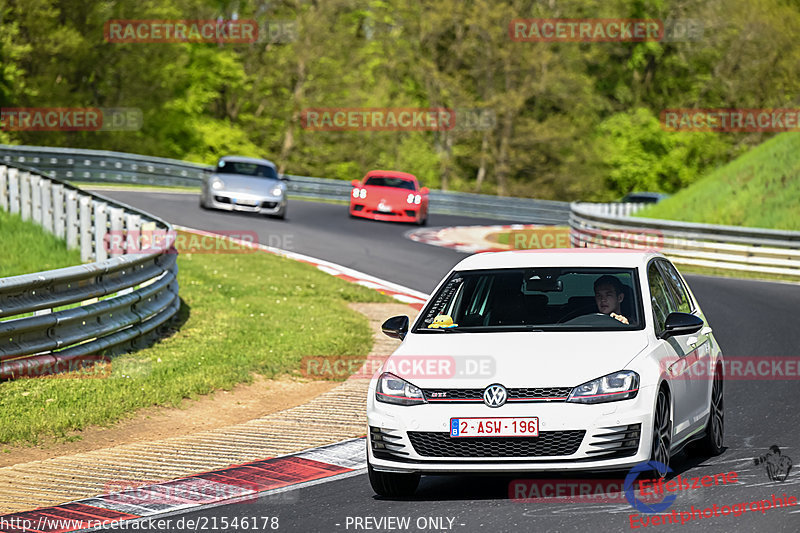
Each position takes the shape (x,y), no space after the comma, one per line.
(608,295)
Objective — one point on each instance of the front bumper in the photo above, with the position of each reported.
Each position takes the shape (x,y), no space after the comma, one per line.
(245,201)
(410,214)
(573,437)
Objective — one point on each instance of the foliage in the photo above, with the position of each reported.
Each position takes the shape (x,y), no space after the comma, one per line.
(567,114)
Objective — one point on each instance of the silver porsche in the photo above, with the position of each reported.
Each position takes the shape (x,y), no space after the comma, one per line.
(245,184)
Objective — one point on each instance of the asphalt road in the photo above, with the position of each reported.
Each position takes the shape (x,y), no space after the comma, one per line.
(750,318)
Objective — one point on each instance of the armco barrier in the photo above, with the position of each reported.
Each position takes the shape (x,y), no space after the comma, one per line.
(113,303)
(117,167)
(759,251)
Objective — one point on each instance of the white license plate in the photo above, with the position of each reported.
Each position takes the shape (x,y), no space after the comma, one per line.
(248,203)
(494,427)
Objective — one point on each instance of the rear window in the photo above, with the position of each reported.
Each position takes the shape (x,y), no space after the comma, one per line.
(385,181)
(545,299)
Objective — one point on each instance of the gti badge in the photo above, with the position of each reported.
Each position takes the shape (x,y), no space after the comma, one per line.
(495,395)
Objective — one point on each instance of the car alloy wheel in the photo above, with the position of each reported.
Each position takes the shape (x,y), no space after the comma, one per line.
(711,443)
(662,434)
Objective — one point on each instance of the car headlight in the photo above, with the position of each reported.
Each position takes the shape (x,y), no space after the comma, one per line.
(410,198)
(277,191)
(392,389)
(217,184)
(355,192)
(363,193)
(417,199)
(622,385)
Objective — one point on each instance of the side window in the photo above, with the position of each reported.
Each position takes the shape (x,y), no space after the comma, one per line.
(662,305)
(679,293)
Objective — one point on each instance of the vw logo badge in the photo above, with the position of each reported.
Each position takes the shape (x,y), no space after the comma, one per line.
(495,395)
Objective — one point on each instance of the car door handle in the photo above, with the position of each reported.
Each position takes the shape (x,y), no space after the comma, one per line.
(692,341)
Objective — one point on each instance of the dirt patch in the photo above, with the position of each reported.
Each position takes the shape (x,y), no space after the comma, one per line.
(220,409)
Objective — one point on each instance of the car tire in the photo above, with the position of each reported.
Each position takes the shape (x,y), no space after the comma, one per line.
(662,433)
(281,215)
(711,443)
(392,485)
(203,204)
(423,221)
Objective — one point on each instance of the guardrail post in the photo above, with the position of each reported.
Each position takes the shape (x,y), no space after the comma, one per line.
(59,223)
(25,195)
(133,233)
(116,240)
(85,203)
(3,190)
(46,196)
(36,198)
(71,221)
(100,230)
(13,190)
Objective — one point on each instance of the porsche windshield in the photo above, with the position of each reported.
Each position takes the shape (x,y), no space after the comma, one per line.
(247,169)
(385,181)
(535,299)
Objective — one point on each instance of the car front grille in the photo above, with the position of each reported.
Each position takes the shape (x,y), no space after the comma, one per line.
(516,395)
(269,205)
(548,443)
(615,441)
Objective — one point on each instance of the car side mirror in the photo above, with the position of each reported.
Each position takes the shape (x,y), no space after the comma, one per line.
(396,327)
(355,183)
(424,190)
(681,324)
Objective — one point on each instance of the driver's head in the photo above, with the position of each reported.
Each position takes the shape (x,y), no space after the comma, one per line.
(608,294)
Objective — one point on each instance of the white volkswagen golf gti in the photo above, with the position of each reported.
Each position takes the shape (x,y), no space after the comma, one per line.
(546,361)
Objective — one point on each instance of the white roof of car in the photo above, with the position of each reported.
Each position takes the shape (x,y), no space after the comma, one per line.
(559,257)
(242,159)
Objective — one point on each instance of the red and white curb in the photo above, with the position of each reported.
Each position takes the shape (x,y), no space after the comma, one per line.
(443,237)
(248,482)
(415,299)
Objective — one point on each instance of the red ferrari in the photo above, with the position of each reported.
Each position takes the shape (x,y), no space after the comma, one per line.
(389,195)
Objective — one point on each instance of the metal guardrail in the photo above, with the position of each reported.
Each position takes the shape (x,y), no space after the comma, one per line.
(111,304)
(706,245)
(117,167)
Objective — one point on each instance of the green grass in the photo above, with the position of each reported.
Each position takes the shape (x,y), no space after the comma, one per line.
(244,314)
(760,189)
(27,248)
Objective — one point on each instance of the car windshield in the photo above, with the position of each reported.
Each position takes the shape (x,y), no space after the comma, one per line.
(528,299)
(386,181)
(247,169)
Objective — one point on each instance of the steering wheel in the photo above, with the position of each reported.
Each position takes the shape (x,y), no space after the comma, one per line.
(575,313)
(587,319)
